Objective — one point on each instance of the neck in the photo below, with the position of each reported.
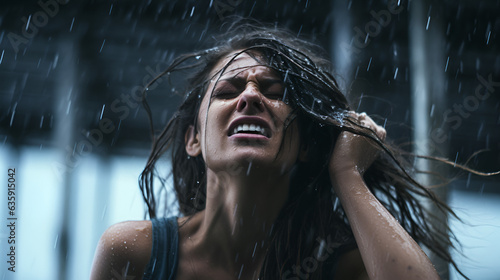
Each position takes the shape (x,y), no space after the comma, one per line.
(239,214)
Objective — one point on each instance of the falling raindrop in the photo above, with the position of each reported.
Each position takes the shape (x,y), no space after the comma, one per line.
(13,113)
(102,111)
(249,167)
(284,96)
(360,99)
(241,270)
(104,212)
(254,248)
(102,46)
(72,22)
(480,130)
(68,108)
(124,274)
(28,22)
(55,242)
(336,204)
(321,249)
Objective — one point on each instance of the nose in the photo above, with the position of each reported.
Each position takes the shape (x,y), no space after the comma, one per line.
(250,99)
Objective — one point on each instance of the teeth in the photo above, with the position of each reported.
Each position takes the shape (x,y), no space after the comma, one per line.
(249,128)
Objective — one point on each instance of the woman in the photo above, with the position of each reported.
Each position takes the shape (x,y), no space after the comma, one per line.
(276,178)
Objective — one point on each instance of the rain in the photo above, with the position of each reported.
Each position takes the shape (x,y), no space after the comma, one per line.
(74,125)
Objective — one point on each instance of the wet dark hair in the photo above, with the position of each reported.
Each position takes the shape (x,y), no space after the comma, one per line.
(312,212)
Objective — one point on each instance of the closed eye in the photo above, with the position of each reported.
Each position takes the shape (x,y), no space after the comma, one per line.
(231,88)
(225,90)
(273,90)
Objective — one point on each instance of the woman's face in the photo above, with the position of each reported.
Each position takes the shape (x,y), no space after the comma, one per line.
(244,120)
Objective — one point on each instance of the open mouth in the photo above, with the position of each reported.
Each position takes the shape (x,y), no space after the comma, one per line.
(249,129)
(250,125)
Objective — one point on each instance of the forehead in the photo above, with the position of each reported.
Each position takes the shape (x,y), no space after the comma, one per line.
(241,64)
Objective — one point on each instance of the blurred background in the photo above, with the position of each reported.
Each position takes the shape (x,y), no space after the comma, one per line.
(72,126)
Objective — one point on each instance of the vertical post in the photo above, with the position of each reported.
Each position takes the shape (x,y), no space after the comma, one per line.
(64,137)
(340,38)
(428,95)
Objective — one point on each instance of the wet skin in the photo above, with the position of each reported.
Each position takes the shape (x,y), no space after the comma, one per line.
(246,93)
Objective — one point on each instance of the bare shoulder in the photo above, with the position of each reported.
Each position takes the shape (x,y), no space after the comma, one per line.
(350,266)
(123,250)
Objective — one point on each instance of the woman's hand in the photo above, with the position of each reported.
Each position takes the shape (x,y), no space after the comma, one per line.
(387,250)
(356,152)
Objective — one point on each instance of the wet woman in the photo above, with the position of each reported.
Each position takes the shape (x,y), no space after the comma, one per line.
(276,178)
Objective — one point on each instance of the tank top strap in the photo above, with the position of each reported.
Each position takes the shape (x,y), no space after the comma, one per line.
(164,253)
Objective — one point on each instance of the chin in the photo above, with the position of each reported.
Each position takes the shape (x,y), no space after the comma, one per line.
(248,162)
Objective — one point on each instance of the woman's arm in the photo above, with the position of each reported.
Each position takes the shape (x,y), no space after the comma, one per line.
(387,250)
(123,251)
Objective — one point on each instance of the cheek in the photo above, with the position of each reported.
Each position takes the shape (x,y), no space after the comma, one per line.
(211,123)
(202,111)
(279,109)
